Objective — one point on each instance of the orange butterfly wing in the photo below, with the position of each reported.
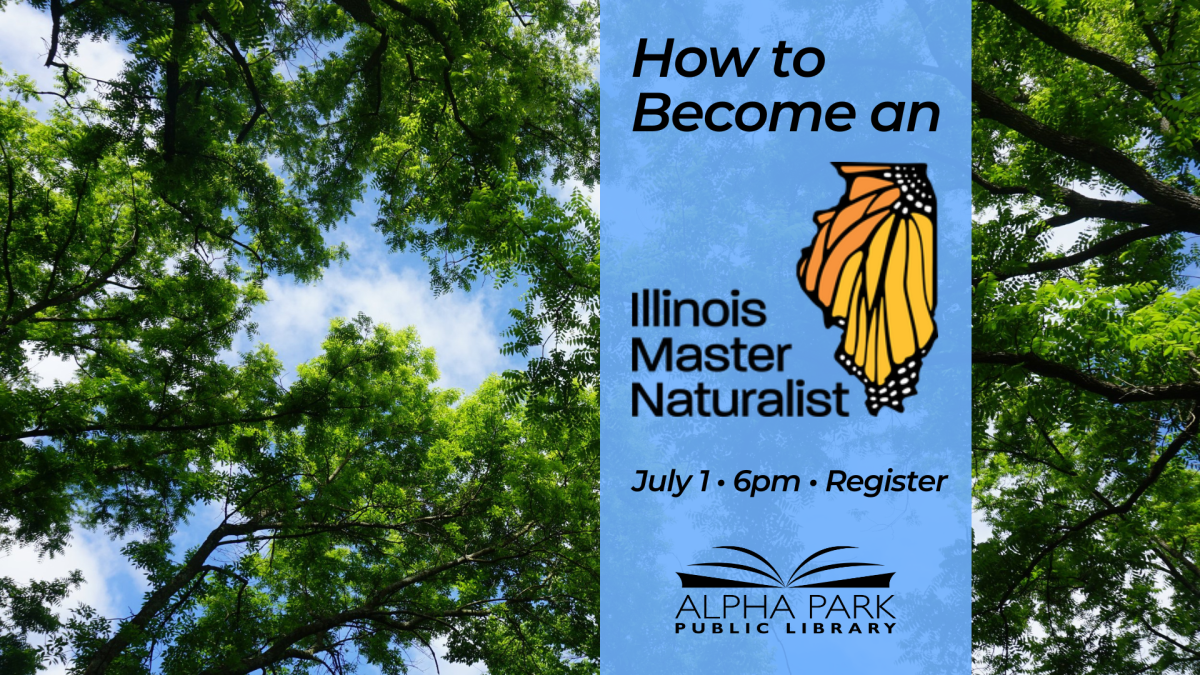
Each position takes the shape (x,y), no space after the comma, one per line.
(872,269)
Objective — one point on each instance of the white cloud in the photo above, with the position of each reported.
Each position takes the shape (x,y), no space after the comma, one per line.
(982,528)
(49,369)
(25,42)
(92,554)
(565,191)
(296,318)
(110,585)
(422,663)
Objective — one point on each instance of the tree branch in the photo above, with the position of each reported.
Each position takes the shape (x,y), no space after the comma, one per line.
(1169,453)
(160,598)
(360,11)
(1100,248)
(181,23)
(66,243)
(1148,30)
(56,12)
(1081,206)
(8,227)
(998,189)
(1115,393)
(1071,47)
(1175,573)
(368,610)
(80,291)
(301,408)
(517,14)
(157,428)
(1112,162)
(232,49)
(444,42)
(194,221)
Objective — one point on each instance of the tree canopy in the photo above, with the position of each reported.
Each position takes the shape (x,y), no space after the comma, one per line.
(1087,381)
(363,511)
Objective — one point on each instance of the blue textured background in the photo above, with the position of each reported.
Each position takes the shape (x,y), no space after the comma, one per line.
(702,213)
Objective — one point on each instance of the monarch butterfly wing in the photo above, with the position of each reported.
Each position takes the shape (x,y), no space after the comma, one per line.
(871,269)
(896,322)
(840,232)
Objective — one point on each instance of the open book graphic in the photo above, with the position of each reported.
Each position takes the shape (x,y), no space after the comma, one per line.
(793,581)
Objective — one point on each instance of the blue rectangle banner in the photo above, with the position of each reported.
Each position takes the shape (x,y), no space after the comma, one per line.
(786,337)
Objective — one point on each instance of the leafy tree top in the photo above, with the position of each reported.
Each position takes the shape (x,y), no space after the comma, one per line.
(364,511)
(1086,384)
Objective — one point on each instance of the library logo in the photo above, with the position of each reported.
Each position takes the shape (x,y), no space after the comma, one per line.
(787,610)
(773,579)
